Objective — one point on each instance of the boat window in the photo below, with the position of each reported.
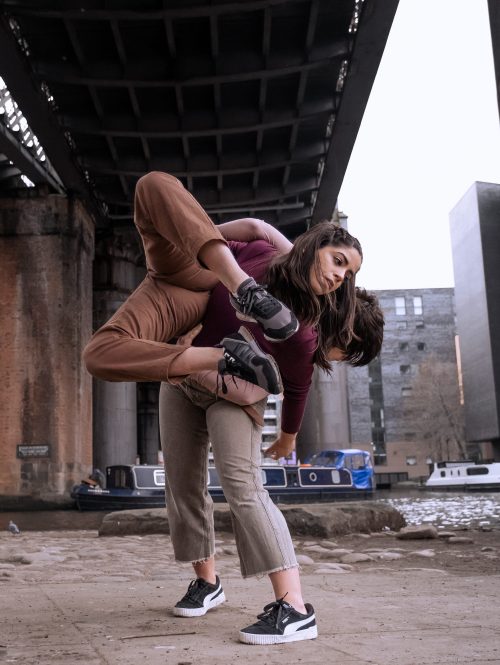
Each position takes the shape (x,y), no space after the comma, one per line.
(159,477)
(477,471)
(355,462)
(119,478)
(324,458)
(443,474)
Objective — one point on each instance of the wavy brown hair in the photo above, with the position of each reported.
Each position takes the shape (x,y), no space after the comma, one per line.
(288,279)
(368,330)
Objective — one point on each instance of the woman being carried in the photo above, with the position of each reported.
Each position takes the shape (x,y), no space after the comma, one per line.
(178,239)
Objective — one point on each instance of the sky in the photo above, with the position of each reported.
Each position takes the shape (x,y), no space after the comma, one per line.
(431,128)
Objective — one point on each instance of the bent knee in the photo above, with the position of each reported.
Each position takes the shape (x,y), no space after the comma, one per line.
(154,180)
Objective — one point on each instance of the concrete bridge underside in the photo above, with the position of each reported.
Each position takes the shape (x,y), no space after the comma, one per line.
(254,105)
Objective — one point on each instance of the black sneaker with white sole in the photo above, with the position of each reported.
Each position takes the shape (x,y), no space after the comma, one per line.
(253,303)
(200,597)
(279,623)
(244,359)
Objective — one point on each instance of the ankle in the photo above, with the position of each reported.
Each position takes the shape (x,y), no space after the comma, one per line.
(296,602)
(300,607)
(247,280)
(211,579)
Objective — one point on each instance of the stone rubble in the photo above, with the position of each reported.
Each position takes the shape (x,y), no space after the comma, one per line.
(61,556)
(417,532)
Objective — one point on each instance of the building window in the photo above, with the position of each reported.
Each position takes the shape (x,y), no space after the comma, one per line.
(405,369)
(406,392)
(403,346)
(419,325)
(421,346)
(400,306)
(411,461)
(417,306)
(401,325)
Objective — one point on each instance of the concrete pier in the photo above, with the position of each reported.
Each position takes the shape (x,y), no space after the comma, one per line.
(46,247)
(115,404)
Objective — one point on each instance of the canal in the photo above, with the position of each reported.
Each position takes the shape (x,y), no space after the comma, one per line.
(446,510)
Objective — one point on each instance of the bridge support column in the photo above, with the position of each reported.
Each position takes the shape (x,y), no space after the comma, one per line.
(46,246)
(326,419)
(115,404)
(148,422)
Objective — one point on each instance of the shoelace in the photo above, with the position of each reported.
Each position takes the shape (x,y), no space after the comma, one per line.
(249,298)
(247,354)
(195,590)
(223,382)
(273,612)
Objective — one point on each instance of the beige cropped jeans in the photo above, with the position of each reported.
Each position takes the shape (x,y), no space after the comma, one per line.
(190,418)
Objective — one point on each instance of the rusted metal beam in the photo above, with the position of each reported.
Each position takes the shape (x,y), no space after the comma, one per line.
(36,108)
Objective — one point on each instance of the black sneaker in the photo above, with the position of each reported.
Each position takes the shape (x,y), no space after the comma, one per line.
(199,598)
(253,303)
(280,622)
(244,359)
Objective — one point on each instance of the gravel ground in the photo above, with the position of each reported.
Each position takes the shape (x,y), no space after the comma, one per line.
(81,556)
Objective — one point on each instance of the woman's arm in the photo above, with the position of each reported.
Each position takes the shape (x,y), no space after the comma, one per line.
(282,446)
(250,228)
(238,391)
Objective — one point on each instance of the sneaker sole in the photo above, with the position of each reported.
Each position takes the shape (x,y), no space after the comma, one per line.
(307,634)
(199,611)
(243,317)
(248,337)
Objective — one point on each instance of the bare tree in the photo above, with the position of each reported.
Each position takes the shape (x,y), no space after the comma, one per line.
(436,409)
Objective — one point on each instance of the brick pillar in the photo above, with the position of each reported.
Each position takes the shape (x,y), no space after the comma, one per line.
(115,404)
(46,246)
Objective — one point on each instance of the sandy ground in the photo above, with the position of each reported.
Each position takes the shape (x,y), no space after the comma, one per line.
(70,596)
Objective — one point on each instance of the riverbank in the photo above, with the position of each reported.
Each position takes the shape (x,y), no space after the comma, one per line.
(72,595)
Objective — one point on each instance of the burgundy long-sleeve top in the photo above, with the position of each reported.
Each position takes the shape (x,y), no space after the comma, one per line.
(293,356)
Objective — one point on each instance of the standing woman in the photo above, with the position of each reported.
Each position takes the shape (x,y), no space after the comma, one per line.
(192,417)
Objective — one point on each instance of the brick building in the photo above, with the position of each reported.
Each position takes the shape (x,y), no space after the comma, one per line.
(404,400)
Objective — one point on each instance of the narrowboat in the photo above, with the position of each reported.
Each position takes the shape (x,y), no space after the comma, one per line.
(336,477)
(465,476)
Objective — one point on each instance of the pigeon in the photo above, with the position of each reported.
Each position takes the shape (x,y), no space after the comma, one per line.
(13,528)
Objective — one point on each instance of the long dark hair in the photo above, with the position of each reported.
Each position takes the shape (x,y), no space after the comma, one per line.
(368,330)
(288,279)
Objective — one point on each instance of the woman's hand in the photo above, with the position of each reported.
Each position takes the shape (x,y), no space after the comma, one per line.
(282,447)
(188,338)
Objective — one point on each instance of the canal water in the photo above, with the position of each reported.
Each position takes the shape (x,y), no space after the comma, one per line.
(445,509)
(448,510)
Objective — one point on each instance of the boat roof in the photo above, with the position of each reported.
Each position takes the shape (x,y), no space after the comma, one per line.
(353,450)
